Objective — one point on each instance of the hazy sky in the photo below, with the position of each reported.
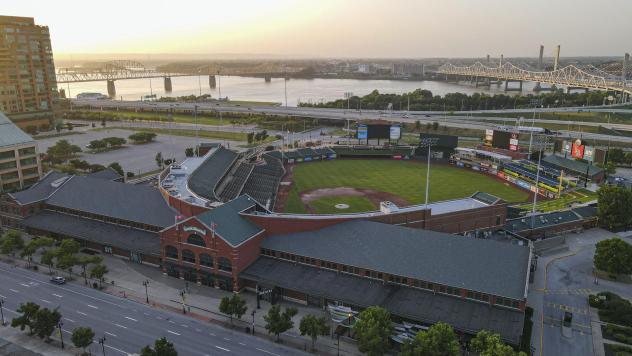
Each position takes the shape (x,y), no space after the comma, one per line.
(334,28)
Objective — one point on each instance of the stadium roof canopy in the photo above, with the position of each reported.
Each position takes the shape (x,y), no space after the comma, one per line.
(480,265)
(228,223)
(205,178)
(575,166)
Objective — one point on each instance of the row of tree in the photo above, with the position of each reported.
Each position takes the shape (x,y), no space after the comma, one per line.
(256,136)
(422,100)
(613,256)
(63,255)
(142,137)
(107,143)
(618,156)
(374,328)
(614,205)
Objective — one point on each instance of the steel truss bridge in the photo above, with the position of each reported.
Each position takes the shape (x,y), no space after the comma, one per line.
(571,76)
(110,71)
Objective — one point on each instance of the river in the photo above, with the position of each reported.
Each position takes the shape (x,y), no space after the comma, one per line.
(256,89)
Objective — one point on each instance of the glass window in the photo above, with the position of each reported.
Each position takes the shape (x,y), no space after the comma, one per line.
(195,239)
(171,252)
(188,256)
(224,264)
(206,260)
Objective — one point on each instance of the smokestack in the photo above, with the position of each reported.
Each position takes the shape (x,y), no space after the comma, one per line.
(626,67)
(557,57)
(541,55)
(488,59)
(502,57)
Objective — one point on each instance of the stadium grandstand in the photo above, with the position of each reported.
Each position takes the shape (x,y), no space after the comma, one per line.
(222,175)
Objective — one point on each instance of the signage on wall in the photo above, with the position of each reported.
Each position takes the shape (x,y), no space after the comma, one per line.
(578,149)
(362,132)
(195,229)
(513,142)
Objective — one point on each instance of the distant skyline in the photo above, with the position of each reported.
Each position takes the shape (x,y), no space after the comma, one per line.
(330,28)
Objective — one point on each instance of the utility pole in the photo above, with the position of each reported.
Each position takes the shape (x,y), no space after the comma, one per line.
(146,284)
(285,83)
(61,333)
(2,310)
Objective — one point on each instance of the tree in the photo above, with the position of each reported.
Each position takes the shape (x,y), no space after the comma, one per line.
(250,137)
(62,151)
(11,241)
(48,259)
(98,272)
(488,344)
(189,152)
(66,263)
(84,261)
(114,142)
(616,155)
(142,137)
(614,256)
(614,205)
(313,326)
(97,144)
(372,330)
(277,322)
(234,306)
(68,247)
(439,340)
(32,247)
(27,319)
(159,159)
(162,347)
(45,322)
(435,126)
(82,337)
(117,168)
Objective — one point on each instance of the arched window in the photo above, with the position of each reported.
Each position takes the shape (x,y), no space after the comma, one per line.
(224,264)
(171,252)
(195,239)
(206,260)
(188,256)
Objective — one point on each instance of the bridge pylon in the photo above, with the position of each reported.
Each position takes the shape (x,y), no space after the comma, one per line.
(168,86)
(111,89)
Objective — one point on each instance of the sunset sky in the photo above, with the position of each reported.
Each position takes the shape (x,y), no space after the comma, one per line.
(334,28)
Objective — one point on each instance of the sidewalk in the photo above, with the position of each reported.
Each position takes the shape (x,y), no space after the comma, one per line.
(16,342)
(125,279)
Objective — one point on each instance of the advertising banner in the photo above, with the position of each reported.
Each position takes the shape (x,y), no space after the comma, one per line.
(396,132)
(362,132)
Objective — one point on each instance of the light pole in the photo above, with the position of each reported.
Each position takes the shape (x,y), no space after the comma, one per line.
(348,95)
(61,334)
(146,284)
(197,144)
(2,310)
(102,343)
(428,141)
(182,294)
(537,188)
(200,81)
(253,321)
(285,83)
(219,93)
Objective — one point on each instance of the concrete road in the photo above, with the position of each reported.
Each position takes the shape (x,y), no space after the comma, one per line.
(133,158)
(460,120)
(127,326)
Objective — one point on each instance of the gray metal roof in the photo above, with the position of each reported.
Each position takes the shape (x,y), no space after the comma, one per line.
(541,220)
(463,315)
(481,265)
(96,231)
(40,190)
(107,174)
(10,134)
(231,226)
(137,203)
(577,167)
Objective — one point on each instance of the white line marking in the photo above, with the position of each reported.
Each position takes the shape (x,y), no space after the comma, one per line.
(92,306)
(110,334)
(173,332)
(45,301)
(227,339)
(159,318)
(242,344)
(24,284)
(172,322)
(120,326)
(268,352)
(57,295)
(13,290)
(70,320)
(2,296)
(212,334)
(82,313)
(115,349)
(184,326)
(198,330)
(132,319)
(146,314)
(221,348)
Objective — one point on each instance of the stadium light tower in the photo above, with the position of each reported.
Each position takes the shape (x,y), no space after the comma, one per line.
(428,142)
(537,179)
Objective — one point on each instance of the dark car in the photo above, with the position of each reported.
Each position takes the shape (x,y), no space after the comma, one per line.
(58,280)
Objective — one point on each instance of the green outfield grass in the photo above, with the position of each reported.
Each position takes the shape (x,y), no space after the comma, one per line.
(579,196)
(401,178)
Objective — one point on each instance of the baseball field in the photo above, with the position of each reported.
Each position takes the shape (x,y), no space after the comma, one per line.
(345,186)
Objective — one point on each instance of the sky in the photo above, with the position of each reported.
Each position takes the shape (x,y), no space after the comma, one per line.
(334,28)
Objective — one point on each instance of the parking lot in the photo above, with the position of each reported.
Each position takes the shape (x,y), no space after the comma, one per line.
(133,158)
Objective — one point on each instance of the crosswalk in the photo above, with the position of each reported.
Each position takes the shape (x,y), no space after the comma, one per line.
(574,310)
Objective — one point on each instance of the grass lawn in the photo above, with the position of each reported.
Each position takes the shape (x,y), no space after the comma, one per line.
(579,196)
(402,178)
(219,135)
(152,116)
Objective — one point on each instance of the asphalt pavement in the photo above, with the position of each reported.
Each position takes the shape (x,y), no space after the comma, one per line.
(126,325)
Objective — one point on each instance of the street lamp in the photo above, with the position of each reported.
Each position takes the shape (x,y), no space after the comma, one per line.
(2,310)
(102,343)
(182,295)
(253,321)
(429,142)
(146,284)
(61,334)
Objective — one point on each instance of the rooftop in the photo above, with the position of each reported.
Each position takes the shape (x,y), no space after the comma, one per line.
(137,203)
(40,190)
(577,167)
(475,264)
(229,224)
(11,135)
(410,303)
(107,174)
(208,174)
